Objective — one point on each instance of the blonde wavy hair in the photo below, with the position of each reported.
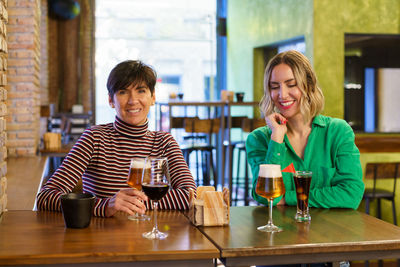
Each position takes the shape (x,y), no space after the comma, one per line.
(312,99)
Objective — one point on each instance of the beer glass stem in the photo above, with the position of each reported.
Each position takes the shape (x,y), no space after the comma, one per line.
(271,203)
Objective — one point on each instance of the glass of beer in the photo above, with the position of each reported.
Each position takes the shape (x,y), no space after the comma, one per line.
(302,181)
(270,185)
(137,170)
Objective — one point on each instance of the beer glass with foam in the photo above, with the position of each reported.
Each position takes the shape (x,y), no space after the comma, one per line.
(137,171)
(270,185)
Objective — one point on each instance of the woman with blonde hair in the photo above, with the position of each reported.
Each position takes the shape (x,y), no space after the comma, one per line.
(297,135)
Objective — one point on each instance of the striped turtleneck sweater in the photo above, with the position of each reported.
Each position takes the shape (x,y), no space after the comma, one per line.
(101,157)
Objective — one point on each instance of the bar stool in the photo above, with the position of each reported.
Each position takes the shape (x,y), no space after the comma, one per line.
(196,126)
(238,182)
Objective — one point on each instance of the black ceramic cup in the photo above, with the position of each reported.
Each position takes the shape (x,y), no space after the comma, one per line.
(239,96)
(77,209)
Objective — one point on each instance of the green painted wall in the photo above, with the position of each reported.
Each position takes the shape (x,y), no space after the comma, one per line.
(256,23)
(332,19)
(252,24)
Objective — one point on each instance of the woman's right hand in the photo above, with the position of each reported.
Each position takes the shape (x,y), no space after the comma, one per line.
(277,123)
(128,201)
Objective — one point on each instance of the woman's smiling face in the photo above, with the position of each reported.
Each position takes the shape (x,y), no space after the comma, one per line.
(132,104)
(284,91)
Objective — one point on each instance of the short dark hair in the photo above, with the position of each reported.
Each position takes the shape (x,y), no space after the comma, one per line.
(130,72)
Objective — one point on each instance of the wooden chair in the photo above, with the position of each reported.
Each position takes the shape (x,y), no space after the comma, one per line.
(249,125)
(377,171)
(204,150)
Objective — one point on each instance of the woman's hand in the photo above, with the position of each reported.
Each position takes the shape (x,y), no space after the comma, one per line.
(128,201)
(277,123)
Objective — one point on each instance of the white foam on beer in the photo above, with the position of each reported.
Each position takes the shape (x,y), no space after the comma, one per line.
(270,170)
(140,163)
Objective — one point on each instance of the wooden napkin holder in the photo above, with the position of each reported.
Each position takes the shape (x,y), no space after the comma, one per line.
(210,208)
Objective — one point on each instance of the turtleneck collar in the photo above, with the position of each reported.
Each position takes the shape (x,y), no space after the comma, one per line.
(133,131)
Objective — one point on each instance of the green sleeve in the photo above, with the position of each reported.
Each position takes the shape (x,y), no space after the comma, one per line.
(261,150)
(345,186)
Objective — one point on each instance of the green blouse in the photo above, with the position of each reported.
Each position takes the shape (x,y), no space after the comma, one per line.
(330,154)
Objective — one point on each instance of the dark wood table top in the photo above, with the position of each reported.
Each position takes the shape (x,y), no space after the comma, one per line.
(332,235)
(28,237)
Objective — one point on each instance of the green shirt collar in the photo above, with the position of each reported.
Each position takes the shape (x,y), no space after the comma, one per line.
(319,120)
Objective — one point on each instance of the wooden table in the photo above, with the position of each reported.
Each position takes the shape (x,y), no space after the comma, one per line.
(28,237)
(333,235)
(61,152)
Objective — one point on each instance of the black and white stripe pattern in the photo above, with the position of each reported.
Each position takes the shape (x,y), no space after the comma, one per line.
(102,158)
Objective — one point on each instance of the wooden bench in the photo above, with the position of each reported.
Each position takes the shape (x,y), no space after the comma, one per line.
(24,178)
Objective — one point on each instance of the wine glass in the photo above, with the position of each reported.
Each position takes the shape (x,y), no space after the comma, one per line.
(156,187)
(270,185)
(136,171)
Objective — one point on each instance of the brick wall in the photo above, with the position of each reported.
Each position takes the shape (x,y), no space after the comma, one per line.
(3,106)
(23,77)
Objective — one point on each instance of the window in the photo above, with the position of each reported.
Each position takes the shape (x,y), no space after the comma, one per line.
(177,38)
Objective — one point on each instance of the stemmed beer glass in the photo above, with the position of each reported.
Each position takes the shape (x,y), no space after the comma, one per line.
(137,170)
(156,187)
(270,185)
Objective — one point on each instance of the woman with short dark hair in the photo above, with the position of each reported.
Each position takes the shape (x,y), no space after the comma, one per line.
(101,157)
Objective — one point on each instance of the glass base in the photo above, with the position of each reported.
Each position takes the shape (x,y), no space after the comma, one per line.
(269,228)
(139,217)
(301,217)
(155,234)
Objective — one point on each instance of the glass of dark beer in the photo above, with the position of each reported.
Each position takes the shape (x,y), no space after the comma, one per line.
(302,181)
(137,170)
(270,185)
(156,186)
